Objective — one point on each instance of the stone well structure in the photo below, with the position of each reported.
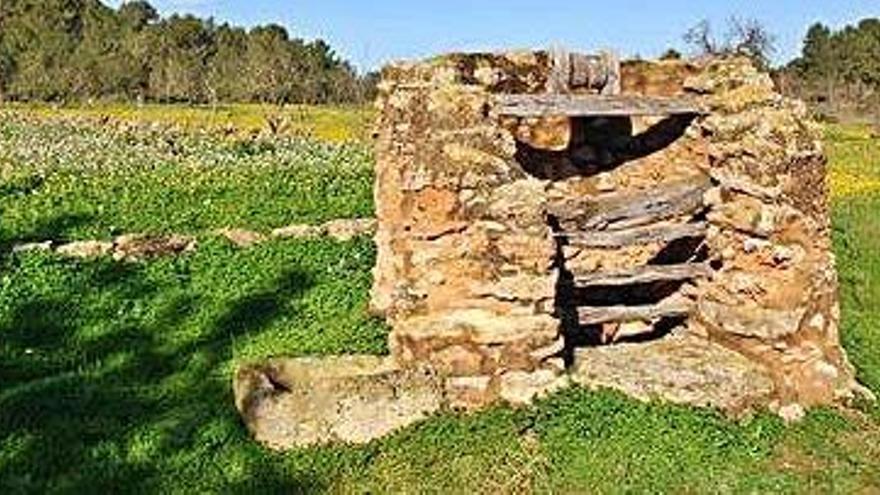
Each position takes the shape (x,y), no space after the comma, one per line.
(658,228)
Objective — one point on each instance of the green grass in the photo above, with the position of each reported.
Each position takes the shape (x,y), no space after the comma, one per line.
(328,123)
(857,246)
(855,167)
(117,377)
(62,180)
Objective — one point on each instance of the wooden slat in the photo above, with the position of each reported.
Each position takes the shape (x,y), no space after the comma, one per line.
(636,236)
(632,210)
(623,314)
(645,275)
(544,105)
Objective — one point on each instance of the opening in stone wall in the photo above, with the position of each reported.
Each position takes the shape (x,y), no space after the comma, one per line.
(600,144)
(644,301)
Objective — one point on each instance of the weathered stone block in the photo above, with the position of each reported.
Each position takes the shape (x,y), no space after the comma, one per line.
(290,403)
(473,341)
(683,369)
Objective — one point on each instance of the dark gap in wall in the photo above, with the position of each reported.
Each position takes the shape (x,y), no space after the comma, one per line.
(569,298)
(686,250)
(662,328)
(563,305)
(600,144)
(625,295)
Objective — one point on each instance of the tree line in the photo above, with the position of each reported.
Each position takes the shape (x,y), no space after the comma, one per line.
(62,50)
(838,69)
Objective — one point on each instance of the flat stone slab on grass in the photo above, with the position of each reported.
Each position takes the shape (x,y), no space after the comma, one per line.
(288,403)
(683,369)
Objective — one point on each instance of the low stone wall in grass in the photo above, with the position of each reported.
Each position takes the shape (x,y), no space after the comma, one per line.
(137,247)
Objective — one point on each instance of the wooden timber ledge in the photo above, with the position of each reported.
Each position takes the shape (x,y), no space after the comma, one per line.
(570,105)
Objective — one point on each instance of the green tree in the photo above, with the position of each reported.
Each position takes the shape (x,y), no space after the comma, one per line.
(272,73)
(180,51)
(137,15)
(83,49)
(227,73)
(671,54)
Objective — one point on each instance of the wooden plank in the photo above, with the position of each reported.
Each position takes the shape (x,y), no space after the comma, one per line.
(623,314)
(636,236)
(645,275)
(633,210)
(544,105)
(559,78)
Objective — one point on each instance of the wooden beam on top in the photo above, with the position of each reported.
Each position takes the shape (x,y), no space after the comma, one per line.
(571,105)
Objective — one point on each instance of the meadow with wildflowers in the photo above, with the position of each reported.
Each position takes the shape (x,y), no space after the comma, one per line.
(66,179)
(116,376)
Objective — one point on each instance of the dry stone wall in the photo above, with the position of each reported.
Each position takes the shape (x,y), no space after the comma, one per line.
(464,270)
(659,228)
(774,299)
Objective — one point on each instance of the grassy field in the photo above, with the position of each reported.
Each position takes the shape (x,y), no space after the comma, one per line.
(328,123)
(116,377)
(66,180)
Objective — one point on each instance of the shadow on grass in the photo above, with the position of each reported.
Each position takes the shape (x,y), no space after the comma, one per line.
(113,383)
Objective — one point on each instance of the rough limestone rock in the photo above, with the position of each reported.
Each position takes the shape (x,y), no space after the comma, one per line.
(683,369)
(525,242)
(136,247)
(774,298)
(299,231)
(85,249)
(242,238)
(294,402)
(347,229)
(29,247)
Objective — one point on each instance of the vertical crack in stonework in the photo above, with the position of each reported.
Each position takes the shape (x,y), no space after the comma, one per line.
(651,227)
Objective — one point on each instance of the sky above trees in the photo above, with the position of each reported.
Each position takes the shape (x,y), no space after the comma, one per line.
(370,33)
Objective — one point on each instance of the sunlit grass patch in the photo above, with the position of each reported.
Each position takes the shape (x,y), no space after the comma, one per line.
(330,123)
(64,180)
(856,224)
(854,161)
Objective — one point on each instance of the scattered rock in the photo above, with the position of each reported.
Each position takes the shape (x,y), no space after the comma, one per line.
(242,238)
(135,247)
(32,246)
(348,229)
(300,231)
(138,247)
(519,388)
(85,249)
(792,413)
